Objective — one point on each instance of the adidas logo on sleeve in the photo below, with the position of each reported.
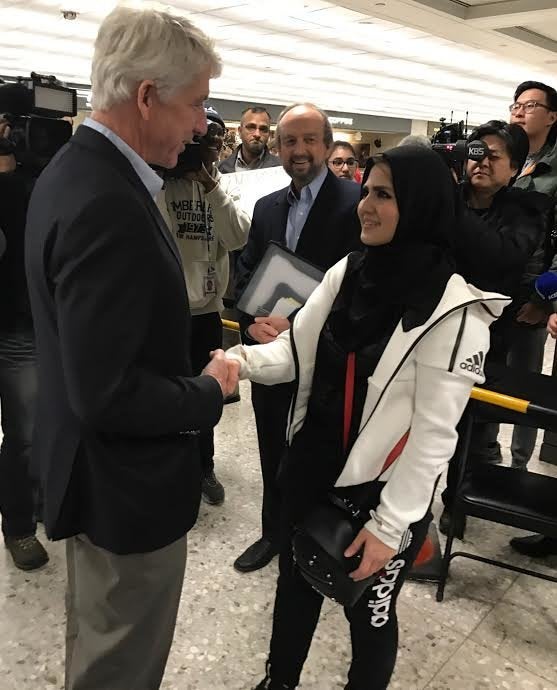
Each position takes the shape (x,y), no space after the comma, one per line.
(474,364)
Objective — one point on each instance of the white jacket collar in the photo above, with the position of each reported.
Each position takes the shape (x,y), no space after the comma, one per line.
(457,295)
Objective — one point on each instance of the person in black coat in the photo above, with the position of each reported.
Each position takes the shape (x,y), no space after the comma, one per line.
(18,370)
(118,408)
(501,245)
(315,217)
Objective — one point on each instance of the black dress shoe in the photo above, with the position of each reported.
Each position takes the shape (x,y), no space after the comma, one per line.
(445,521)
(256,556)
(268,684)
(235,397)
(535,545)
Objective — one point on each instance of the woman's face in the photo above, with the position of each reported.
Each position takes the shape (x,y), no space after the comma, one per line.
(495,171)
(378,209)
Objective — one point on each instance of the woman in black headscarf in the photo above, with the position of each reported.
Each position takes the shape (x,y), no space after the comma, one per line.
(384,354)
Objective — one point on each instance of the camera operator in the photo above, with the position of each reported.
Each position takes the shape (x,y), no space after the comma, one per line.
(18,375)
(501,246)
(202,210)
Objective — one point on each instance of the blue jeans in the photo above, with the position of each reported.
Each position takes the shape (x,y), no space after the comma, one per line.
(18,392)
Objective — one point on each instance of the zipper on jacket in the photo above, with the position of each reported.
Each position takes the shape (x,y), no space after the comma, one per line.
(297,379)
(403,360)
(400,364)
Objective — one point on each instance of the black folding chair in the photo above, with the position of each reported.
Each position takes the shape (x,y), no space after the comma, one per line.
(501,494)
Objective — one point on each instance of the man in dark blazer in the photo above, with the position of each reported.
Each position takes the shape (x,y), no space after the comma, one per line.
(315,217)
(118,409)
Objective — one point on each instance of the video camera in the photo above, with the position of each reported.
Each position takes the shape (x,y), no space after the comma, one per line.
(451,144)
(33,106)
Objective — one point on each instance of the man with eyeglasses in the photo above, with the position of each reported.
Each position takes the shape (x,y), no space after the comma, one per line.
(252,154)
(315,217)
(343,161)
(534,109)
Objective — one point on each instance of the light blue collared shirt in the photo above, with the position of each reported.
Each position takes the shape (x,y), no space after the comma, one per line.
(146,174)
(300,208)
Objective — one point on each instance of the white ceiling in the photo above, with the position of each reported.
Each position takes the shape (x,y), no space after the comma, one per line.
(404,58)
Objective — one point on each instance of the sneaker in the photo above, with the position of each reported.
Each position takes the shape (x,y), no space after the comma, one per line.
(212,490)
(27,552)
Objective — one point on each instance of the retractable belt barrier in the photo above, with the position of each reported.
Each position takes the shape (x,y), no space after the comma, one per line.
(483,395)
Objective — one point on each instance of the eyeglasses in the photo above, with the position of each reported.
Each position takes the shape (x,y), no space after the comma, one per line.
(264,129)
(339,162)
(529,106)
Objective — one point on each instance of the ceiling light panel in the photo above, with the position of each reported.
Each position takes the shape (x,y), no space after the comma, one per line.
(304,49)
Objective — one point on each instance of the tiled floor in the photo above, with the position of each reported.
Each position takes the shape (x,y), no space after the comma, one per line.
(495,629)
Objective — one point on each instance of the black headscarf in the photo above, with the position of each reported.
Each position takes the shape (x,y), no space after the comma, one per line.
(406,278)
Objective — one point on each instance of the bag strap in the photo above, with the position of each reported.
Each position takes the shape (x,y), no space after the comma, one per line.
(349,396)
(348,408)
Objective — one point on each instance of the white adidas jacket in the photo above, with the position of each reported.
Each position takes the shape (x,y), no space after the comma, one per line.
(415,397)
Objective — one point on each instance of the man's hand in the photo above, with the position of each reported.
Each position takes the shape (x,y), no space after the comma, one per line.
(233,370)
(267,328)
(531,313)
(219,369)
(552,326)
(375,557)
(262,333)
(204,177)
(279,323)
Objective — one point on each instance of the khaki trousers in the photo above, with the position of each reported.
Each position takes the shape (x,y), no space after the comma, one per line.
(121,614)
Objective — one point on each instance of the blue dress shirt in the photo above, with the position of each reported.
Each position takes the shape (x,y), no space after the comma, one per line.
(146,174)
(300,208)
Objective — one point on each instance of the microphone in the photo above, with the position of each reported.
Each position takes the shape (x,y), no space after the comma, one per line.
(546,287)
(477,150)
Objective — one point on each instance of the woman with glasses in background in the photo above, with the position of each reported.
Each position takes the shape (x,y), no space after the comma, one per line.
(343,161)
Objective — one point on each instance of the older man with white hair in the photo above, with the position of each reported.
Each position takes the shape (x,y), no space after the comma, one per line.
(119,411)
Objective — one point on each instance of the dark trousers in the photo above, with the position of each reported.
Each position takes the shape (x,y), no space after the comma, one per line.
(526,352)
(271,405)
(206,335)
(18,392)
(373,620)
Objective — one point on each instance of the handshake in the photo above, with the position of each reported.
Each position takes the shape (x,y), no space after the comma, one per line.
(225,371)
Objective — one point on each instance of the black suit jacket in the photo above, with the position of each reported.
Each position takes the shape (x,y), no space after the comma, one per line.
(112,322)
(331,231)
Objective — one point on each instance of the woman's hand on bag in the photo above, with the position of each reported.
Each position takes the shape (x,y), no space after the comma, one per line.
(376,554)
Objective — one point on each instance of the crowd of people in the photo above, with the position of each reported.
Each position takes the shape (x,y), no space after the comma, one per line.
(113,377)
